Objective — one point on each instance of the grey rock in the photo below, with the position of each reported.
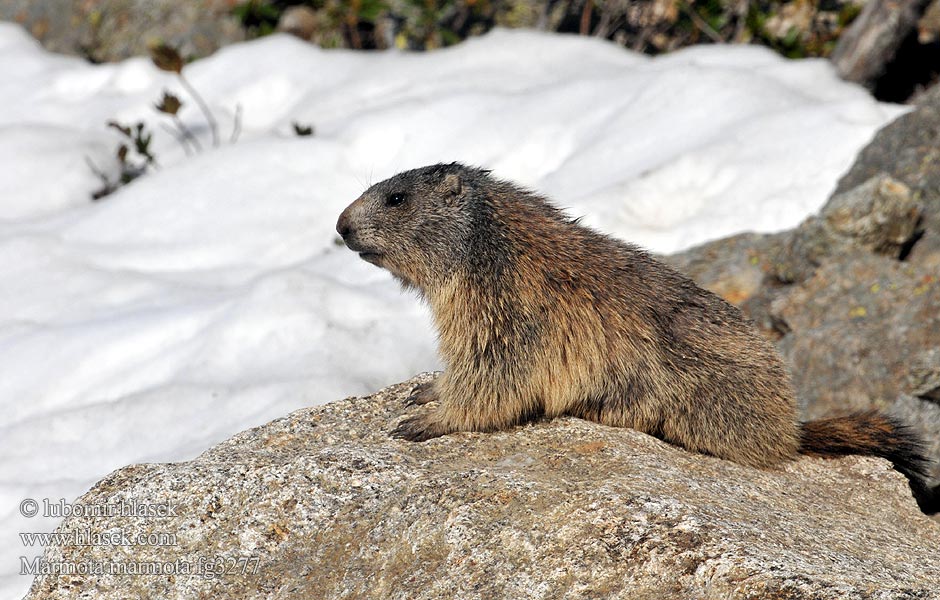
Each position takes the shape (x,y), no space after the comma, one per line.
(872,40)
(879,216)
(908,150)
(324,504)
(854,329)
(110,30)
(923,379)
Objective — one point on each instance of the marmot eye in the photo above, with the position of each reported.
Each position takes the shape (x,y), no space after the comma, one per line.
(395,199)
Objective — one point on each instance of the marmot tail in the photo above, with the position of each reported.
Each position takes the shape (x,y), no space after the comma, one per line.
(871,433)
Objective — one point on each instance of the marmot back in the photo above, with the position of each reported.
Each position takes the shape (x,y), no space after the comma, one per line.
(539,315)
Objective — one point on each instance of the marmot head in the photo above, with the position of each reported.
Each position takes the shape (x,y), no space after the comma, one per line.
(417,224)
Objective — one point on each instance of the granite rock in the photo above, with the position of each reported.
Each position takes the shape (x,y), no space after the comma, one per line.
(879,216)
(908,150)
(324,504)
(856,328)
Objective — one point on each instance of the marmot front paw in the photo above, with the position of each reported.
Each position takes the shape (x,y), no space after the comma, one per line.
(418,429)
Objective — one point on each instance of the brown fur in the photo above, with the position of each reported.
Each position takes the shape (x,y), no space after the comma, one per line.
(538,315)
(874,434)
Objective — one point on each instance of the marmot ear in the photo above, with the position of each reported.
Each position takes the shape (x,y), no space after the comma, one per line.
(451,186)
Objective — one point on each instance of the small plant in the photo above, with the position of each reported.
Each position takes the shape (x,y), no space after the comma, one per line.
(167,58)
(135,155)
(131,169)
(170,106)
(258,17)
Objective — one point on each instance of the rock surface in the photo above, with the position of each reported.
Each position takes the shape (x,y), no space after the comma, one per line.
(879,216)
(110,30)
(872,40)
(856,328)
(908,150)
(324,504)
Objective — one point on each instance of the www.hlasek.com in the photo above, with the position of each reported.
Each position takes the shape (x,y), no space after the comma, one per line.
(86,537)
(206,567)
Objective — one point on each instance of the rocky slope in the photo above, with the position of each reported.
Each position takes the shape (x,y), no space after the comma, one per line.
(324,504)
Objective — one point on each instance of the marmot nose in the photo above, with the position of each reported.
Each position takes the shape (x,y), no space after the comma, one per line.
(343,228)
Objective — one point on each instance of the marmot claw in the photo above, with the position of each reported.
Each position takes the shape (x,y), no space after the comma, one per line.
(422,394)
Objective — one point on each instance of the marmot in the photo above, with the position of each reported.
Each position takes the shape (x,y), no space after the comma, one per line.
(538,315)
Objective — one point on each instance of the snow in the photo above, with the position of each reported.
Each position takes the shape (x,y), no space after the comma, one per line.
(211,295)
